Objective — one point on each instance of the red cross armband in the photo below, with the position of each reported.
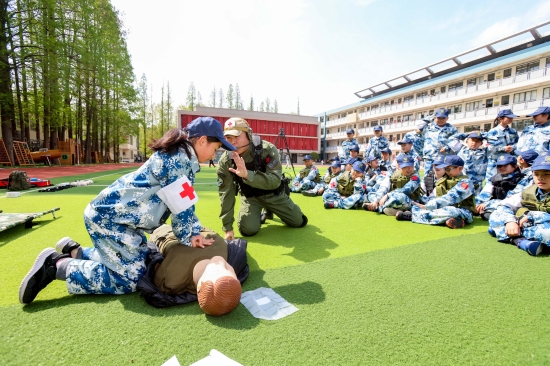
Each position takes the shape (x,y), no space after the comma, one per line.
(178,196)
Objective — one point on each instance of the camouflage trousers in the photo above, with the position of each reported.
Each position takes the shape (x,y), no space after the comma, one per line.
(319,186)
(440,215)
(304,185)
(539,232)
(115,263)
(491,169)
(398,201)
(340,201)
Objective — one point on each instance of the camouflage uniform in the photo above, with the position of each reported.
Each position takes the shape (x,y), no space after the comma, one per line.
(386,164)
(450,205)
(117,218)
(325,180)
(398,198)
(535,137)
(306,179)
(345,192)
(265,185)
(497,139)
(418,142)
(413,156)
(435,138)
(375,146)
(538,227)
(486,195)
(525,182)
(346,145)
(475,160)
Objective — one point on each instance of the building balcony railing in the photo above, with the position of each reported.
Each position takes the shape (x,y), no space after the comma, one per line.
(492,85)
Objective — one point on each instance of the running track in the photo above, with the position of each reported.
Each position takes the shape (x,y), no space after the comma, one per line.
(47,172)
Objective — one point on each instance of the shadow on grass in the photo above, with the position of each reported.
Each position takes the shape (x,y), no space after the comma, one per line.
(17,232)
(308,245)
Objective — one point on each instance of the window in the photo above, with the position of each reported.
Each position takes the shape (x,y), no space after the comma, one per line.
(458,85)
(546,93)
(472,128)
(530,66)
(431,112)
(391,119)
(507,73)
(399,119)
(472,106)
(471,82)
(489,103)
(505,100)
(519,125)
(398,100)
(408,117)
(407,98)
(421,94)
(432,92)
(456,108)
(398,137)
(383,122)
(525,96)
(491,77)
(487,126)
(374,123)
(443,89)
(547,61)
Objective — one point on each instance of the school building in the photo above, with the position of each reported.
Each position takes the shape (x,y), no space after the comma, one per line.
(513,72)
(301,133)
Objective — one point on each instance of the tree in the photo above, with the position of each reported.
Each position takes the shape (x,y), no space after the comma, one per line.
(251,105)
(143,100)
(230,97)
(267,105)
(275,106)
(238,101)
(221,98)
(262,107)
(298,107)
(213,98)
(169,106)
(199,99)
(191,97)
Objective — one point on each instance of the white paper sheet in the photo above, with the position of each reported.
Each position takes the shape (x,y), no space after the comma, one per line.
(216,358)
(264,303)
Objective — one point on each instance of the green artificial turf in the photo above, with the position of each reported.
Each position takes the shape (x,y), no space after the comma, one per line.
(370,290)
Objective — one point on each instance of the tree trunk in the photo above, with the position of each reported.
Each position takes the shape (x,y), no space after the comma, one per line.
(7,111)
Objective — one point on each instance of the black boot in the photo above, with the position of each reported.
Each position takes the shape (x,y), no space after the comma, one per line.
(266,215)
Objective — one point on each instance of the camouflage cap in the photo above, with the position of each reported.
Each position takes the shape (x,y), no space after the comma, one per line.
(235,126)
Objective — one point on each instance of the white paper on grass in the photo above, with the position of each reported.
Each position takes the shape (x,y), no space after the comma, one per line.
(172,362)
(264,303)
(216,358)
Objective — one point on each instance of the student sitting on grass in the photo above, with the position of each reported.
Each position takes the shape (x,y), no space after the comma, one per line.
(396,192)
(332,172)
(346,191)
(523,219)
(117,218)
(499,185)
(454,202)
(475,156)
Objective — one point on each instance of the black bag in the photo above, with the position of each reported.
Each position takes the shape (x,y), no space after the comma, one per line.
(18,181)
(236,257)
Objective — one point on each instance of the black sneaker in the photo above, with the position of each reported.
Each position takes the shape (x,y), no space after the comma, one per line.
(310,193)
(368,208)
(41,274)
(404,216)
(329,205)
(66,245)
(266,215)
(453,223)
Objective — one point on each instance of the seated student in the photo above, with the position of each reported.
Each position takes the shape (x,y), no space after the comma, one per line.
(333,171)
(396,192)
(386,163)
(373,168)
(348,164)
(407,149)
(346,191)
(525,160)
(354,152)
(523,218)
(307,178)
(178,274)
(475,156)
(428,185)
(454,202)
(498,187)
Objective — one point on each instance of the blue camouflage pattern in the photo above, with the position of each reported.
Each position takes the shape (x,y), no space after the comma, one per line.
(346,146)
(333,196)
(117,218)
(398,198)
(299,185)
(535,137)
(440,209)
(375,146)
(497,139)
(475,164)
(436,138)
(418,142)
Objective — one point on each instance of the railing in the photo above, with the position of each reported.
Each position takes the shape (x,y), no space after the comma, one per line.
(457,92)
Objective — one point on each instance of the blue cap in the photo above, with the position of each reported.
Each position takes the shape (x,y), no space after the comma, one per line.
(386,150)
(528,155)
(451,160)
(475,135)
(350,130)
(336,158)
(208,126)
(405,140)
(404,161)
(540,110)
(506,159)
(354,148)
(377,128)
(371,158)
(506,113)
(350,161)
(336,164)
(359,166)
(541,163)
(442,112)
(438,160)
(307,157)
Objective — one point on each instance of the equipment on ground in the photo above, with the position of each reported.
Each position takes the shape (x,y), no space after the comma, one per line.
(9,220)
(282,136)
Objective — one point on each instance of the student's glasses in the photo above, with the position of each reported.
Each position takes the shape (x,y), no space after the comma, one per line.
(449,168)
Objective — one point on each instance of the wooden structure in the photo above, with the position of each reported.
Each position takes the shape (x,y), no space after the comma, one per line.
(69,152)
(46,156)
(4,156)
(22,153)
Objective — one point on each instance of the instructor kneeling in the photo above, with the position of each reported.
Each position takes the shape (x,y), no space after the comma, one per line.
(255,170)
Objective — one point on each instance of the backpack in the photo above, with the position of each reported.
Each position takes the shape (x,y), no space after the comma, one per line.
(18,181)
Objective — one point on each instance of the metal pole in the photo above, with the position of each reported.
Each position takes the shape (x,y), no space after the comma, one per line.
(325,138)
